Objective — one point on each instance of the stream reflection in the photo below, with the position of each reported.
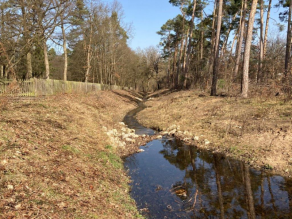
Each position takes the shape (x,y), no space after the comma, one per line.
(173,180)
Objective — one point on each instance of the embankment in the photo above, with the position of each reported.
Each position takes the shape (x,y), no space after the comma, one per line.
(57,159)
(257,131)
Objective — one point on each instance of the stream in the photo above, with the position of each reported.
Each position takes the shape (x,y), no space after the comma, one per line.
(173,180)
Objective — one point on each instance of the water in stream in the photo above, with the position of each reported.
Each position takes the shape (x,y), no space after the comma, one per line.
(173,180)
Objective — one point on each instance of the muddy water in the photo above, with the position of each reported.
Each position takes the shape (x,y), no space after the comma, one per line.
(173,180)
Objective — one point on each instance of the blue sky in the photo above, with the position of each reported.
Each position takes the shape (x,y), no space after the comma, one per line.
(146,16)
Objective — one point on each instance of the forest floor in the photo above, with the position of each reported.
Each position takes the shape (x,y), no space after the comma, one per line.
(57,160)
(256,130)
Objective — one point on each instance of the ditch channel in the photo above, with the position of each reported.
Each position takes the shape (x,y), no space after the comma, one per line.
(174,180)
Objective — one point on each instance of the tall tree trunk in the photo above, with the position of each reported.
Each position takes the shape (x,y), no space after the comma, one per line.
(1,71)
(261,54)
(267,27)
(216,51)
(249,194)
(179,61)
(28,66)
(88,59)
(227,35)
(245,73)
(179,66)
(190,42)
(169,64)
(2,36)
(202,36)
(174,76)
(64,49)
(219,189)
(26,38)
(47,64)
(288,44)
(240,40)
(185,50)
(211,59)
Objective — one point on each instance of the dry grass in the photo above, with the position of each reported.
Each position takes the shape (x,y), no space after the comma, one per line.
(56,162)
(255,130)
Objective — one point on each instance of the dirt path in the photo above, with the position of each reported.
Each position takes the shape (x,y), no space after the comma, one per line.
(254,130)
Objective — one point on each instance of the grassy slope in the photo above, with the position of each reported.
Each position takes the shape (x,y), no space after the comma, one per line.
(56,162)
(254,130)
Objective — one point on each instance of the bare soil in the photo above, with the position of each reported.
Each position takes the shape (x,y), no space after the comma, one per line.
(255,130)
(57,162)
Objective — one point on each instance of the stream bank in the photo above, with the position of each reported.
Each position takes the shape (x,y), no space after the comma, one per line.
(255,130)
(56,160)
(171,179)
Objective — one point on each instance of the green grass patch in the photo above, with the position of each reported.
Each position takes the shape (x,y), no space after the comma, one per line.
(71,149)
(114,159)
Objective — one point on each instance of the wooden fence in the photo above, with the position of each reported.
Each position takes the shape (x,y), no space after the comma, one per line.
(42,87)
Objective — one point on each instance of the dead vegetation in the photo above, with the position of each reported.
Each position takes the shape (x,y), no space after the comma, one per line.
(255,130)
(56,162)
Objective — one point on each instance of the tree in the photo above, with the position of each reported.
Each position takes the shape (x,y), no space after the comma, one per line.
(240,38)
(245,77)
(261,53)
(267,26)
(190,34)
(65,13)
(46,15)
(289,37)
(25,8)
(216,52)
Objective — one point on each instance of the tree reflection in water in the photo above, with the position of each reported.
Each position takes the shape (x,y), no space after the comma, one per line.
(198,184)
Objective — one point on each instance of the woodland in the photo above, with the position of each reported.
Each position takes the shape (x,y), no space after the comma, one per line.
(57,155)
(228,49)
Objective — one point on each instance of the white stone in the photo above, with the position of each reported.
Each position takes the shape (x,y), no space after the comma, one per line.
(121,123)
(187,133)
(207,142)
(172,132)
(140,150)
(10,187)
(196,138)
(3,162)
(122,144)
(130,140)
(104,129)
(126,136)
(172,127)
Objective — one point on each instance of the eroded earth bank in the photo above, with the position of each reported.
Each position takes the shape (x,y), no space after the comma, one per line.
(255,130)
(60,157)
